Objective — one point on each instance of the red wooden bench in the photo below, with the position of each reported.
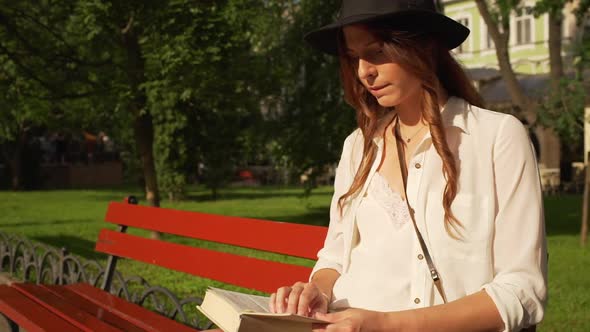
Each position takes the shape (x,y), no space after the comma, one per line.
(82,307)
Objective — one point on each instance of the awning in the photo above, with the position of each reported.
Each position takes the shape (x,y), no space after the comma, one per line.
(495,92)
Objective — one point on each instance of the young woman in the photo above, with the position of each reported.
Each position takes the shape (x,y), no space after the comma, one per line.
(436,223)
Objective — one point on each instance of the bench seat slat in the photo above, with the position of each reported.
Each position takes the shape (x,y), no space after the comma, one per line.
(104,313)
(135,314)
(242,271)
(30,315)
(279,237)
(68,312)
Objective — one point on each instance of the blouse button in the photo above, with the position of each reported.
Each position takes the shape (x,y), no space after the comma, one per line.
(420,257)
(417,165)
(417,300)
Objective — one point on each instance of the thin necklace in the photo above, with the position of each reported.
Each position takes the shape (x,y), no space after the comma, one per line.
(408,140)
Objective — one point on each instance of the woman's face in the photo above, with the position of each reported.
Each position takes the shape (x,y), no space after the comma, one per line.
(391,84)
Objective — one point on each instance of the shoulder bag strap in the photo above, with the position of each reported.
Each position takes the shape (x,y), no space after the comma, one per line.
(404,171)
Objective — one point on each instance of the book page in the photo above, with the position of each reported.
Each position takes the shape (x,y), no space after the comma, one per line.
(243,302)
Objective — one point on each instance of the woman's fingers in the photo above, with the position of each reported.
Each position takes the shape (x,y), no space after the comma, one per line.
(310,300)
(281,298)
(302,298)
(271,303)
(293,301)
(331,317)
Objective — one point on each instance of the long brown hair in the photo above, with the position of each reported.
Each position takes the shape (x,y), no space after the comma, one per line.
(423,56)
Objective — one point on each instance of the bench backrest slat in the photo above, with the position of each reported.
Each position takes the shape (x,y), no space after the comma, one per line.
(242,271)
(278,237)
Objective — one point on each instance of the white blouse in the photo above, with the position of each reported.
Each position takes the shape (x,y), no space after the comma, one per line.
(383,256)
(499,203)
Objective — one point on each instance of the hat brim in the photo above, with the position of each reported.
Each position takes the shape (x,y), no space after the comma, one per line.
(449,31)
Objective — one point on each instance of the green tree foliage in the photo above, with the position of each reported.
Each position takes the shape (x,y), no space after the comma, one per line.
(201,91)
(563,110)
(40,75)
(18,112)
(563,106)
(222,84)
(309,116)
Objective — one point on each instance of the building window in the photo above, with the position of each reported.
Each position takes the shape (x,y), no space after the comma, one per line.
(523,22)
(489,44)
(463,47)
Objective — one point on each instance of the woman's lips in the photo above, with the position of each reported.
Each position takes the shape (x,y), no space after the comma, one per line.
(376,90)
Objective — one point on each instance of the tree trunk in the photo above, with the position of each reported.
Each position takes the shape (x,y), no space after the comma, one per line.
(501,39)
(142,120)
(586,206)
(556,74)
(515,90)
(555,60)
(15,171)
(14,159)
(528,106)
(144,136)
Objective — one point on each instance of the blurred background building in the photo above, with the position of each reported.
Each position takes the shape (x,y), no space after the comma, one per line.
(528,48)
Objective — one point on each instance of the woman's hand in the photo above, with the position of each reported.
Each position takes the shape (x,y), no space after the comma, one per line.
(303,299)
(353,320)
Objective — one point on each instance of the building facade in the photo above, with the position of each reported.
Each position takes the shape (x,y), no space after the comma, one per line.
(529,36)
(529,54)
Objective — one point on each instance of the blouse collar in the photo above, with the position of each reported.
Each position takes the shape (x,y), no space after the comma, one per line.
(453,113)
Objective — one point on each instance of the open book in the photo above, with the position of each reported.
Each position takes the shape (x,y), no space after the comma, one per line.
(238,312)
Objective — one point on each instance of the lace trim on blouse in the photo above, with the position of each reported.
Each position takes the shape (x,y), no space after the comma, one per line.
(390,200)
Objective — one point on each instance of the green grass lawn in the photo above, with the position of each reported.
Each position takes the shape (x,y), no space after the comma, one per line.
(72,219)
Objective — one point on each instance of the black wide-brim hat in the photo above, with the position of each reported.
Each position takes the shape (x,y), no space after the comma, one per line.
(404,15)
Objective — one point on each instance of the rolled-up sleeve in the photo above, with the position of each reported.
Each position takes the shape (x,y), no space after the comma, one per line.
(331,255)
(519,286)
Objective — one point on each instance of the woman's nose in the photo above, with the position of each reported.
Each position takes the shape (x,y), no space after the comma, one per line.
(365,69)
